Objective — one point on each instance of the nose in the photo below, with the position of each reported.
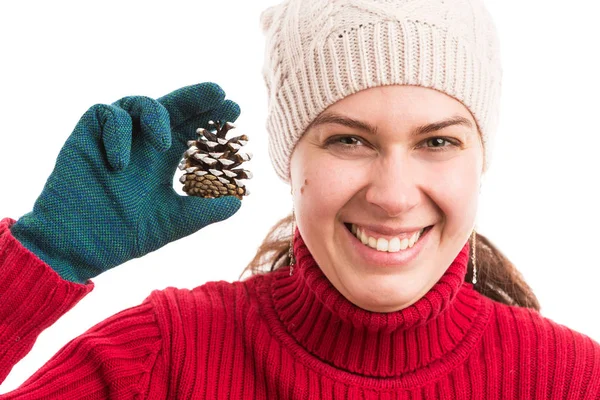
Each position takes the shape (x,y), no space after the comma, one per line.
(394,187)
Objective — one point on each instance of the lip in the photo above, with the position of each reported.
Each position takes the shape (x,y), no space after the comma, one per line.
(385,232)
(401,258)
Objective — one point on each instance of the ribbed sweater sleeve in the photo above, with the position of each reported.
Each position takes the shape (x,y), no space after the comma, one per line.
(117,358)
(32,297)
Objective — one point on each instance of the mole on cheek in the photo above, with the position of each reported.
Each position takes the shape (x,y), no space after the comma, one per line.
(303,186)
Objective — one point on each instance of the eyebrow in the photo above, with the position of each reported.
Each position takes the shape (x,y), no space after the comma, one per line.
(333,118)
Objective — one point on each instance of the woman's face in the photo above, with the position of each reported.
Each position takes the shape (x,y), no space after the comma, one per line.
(384,163)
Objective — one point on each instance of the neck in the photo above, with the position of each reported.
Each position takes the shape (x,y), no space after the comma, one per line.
(333,329)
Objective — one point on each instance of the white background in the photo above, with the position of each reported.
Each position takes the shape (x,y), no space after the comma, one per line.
(539,201)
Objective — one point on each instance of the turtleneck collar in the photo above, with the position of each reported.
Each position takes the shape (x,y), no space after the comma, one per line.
(438,329)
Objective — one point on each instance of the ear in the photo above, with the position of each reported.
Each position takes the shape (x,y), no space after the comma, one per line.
(266,18)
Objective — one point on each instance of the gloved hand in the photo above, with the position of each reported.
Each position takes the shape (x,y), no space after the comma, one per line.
(110,197)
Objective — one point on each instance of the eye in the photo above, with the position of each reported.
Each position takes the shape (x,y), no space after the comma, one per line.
(345,141)
(437,143)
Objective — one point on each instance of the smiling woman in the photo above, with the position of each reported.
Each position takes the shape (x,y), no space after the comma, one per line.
(404,203)
(381,116)
(392,187)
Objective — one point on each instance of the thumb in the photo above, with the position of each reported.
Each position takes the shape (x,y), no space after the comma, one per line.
(197,212)
(167,217)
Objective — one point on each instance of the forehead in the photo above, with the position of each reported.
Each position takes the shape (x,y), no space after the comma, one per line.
(400,105)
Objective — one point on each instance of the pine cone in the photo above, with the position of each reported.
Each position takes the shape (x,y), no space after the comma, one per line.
(210,164)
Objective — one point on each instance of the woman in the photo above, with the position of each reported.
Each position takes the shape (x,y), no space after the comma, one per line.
(381,118)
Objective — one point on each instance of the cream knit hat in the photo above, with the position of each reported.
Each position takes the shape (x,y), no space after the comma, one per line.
(320,51)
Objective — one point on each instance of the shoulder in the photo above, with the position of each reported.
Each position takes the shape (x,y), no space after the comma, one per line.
(545,348)
(210,299)
(531,323)
(189,319)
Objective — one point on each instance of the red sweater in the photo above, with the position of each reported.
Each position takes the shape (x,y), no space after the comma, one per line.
(277,336)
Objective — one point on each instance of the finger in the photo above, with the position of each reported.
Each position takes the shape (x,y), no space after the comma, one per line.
(152,117)
(227,111)
(189,101)
(114,128)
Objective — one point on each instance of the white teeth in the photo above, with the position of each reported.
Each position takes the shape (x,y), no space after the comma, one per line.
(372,242)
(403,244)
(412,240)
(380,244)
(363,238)
(394,245)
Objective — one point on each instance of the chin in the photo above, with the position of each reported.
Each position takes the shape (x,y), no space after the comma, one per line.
(385,305)
(385,298)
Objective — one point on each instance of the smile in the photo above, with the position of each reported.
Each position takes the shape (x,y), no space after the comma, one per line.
(390,245)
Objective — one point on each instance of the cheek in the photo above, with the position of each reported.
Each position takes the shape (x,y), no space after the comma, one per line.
(454,188)
(323,185)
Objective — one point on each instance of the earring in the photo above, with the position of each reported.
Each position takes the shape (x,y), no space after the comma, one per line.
(474,255)
(291,248)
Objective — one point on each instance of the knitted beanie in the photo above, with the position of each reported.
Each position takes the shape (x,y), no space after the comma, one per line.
(320,51)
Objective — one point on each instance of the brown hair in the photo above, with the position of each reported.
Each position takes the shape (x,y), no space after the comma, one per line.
(497,277)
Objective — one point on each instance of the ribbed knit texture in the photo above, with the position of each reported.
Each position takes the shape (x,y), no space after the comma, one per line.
(319,51)
(32,297)
(278,336)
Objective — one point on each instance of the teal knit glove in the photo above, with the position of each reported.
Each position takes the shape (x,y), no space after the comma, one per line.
(110,197)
